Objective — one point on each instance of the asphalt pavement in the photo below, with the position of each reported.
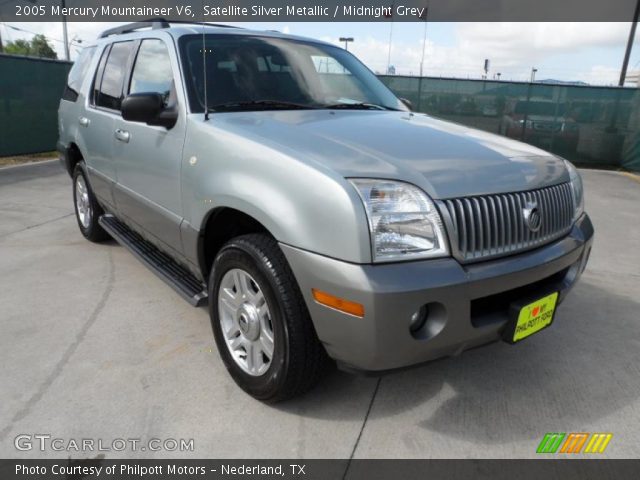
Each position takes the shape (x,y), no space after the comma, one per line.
(95,346)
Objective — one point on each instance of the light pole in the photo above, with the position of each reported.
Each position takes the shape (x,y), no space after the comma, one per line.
(424,38)
(627,53)
(65,34)
(533,74)
(346,41)
(389,16)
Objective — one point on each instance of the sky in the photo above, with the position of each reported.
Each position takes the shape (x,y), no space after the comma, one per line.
(588,52)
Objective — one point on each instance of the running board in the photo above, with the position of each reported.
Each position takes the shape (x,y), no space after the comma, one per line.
(178,277)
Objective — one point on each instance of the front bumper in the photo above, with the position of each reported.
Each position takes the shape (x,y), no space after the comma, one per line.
(468,305)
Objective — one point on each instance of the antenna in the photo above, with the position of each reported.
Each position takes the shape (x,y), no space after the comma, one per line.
(204,73)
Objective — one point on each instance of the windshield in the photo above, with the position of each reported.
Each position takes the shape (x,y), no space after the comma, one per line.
(262,73)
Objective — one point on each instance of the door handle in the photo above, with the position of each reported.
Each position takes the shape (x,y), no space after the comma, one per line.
(84,121)
(122,135)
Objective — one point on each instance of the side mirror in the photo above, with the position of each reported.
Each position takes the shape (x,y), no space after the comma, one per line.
(407,103)
(148,108)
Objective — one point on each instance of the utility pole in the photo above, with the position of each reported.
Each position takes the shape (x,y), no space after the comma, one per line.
(65,34)
(389,15)
(390,40)
(627,53)
(346,41)
(424,38)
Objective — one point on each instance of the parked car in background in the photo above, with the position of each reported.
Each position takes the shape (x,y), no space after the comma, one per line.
(276,178)
(542,123)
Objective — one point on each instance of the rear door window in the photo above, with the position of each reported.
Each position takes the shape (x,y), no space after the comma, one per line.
(77,74)
(110,92)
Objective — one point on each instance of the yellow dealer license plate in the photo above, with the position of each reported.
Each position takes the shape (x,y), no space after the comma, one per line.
(535,316)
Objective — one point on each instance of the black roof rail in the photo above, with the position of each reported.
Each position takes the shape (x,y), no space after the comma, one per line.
(219,25)
(154,24)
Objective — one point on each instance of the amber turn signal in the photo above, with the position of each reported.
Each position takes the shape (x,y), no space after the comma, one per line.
(346,306)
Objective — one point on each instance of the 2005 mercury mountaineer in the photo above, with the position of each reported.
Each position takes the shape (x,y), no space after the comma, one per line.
(279,179)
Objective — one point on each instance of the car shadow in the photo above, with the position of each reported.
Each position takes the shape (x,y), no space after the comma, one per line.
(581,369)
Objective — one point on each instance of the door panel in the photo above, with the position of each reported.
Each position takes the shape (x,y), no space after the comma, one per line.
(93,126)
(148,158)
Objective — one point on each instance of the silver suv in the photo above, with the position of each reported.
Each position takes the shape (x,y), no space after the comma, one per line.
(278,179)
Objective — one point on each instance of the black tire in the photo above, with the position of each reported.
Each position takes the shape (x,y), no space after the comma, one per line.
(91,230)
(299,359)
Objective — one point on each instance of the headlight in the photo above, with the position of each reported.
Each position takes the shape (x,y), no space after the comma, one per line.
(403,221)
(576,189)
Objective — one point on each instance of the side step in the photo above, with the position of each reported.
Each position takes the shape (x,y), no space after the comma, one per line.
(178,277)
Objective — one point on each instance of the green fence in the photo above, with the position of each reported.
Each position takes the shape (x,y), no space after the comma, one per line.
(588,125)
(30,90)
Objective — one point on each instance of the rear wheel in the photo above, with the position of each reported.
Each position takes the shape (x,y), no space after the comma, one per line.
(87,209)
(260,322)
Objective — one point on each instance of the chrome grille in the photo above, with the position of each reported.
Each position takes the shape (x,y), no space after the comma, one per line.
(494,225)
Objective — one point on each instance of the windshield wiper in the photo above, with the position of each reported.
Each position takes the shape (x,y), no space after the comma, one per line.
(357,106)
(259,104)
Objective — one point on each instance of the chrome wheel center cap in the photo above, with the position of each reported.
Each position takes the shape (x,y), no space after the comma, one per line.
(248,321)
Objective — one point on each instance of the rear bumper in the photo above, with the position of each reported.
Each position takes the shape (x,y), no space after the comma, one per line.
(468,304)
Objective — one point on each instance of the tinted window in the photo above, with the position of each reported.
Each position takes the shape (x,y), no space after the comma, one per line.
(246,72)
(109,94)
(152,70)
(77,74)
(95,90)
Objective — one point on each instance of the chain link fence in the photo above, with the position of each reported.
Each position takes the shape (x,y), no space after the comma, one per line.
(30,91)
(598,126)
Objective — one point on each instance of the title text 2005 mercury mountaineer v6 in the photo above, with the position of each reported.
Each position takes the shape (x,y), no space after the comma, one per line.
(278,178)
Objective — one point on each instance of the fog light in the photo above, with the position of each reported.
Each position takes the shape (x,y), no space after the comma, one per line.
(418,319)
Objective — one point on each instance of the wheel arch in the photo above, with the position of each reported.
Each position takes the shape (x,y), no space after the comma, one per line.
(220,225)
(73,156)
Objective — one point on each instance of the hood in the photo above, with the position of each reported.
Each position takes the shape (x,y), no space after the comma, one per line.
(445,159)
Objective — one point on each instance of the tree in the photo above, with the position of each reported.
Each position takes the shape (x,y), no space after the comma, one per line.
(41,48)
(38,47)
(18,47)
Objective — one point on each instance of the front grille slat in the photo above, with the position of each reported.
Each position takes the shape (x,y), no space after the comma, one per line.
(557,206)
(471,244)
(494,225)
(516,223)
(478,223)
(493,246)
(507,210)
(545,214)
(463,238)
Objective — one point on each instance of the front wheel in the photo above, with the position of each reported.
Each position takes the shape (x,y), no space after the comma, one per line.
(87,209)
(260,322)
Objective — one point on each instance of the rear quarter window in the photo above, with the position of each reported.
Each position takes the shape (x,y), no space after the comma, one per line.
(77,74)
(108,87)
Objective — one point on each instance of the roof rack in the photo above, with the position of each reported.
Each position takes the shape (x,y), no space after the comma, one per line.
(155,24)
